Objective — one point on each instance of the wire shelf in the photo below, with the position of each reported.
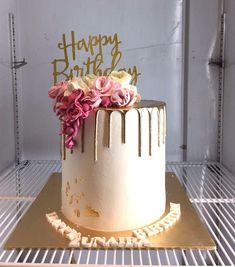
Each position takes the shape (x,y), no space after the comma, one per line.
(209,186)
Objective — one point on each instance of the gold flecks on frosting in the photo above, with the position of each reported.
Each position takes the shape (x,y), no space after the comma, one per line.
(82,179)
(78,197)
(67,188)
(77,212)
(91,212)
(68,185)
(71,200)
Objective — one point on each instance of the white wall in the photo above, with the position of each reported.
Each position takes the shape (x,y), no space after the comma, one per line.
(7,147)
(150,32)
(229,90)
(202,80)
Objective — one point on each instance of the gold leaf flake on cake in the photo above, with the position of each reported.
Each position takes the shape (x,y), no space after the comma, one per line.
(82,179)
(77,212)
(91,212)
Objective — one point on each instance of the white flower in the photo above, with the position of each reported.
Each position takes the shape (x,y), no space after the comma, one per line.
(89,79)
(121,77)
(84,83)
(137,96)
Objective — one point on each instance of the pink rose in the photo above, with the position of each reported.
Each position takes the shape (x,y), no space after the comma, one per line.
(106,102)
(57,89)
(92,99)
(133,98)
(105,85)
(73,113)
(70,130)
(121,98)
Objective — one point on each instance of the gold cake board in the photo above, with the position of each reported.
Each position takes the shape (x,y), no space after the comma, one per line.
(33,230)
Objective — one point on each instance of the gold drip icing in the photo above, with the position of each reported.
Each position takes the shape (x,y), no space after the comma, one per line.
(164,124)
(82,135)
(150,131)
(96,133)
(158,126)
(62,147)
(139,132)
(123,126)
(161,127)
(109,128)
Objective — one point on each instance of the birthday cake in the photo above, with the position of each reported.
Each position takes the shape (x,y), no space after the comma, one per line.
(113,153)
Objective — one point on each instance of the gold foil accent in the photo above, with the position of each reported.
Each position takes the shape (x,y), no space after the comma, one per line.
(91,212)
(82,179)
(67,189)
(82,135)
(79,196)
(68,184)
(71,200)
(77,212)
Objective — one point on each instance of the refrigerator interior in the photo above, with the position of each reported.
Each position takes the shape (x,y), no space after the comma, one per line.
(184,53)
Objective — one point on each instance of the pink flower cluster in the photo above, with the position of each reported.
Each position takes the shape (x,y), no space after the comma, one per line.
(113,94)
(73,106)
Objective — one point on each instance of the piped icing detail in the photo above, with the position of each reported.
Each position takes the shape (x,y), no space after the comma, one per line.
(137,240)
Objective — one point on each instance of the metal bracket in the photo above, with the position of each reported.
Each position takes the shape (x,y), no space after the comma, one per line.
(183,147)
(18,64)
(217,63)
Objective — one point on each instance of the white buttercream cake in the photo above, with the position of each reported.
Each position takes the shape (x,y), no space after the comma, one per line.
(113,151)
(114,179)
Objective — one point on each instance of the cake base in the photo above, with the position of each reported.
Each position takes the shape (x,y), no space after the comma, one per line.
(33,230)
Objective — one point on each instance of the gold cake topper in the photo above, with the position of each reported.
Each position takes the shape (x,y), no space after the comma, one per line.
(96,46)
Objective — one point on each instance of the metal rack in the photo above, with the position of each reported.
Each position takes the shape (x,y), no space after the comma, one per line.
(209,186)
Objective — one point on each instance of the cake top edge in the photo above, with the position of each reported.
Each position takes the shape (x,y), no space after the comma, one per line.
(140,105)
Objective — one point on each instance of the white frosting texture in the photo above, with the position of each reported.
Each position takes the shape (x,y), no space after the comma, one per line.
(115,178)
